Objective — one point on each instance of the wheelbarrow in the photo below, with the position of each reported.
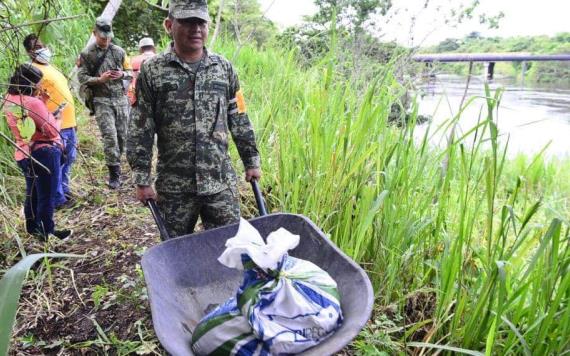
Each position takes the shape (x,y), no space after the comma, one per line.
(185,280)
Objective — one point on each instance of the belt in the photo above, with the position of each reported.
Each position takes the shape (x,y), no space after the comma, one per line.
(111,95)
(52,143)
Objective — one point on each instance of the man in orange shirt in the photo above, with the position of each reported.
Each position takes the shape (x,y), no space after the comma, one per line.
(147,50)
(45,146)
(56,86)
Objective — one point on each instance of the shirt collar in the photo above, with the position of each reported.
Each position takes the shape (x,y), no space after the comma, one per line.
(173,57)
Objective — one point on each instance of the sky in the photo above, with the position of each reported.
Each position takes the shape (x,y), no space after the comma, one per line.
(521,17)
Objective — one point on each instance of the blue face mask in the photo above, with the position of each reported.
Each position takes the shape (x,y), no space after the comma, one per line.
(43,55)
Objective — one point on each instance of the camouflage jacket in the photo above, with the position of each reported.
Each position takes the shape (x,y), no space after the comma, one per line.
(116,59)
(191,113)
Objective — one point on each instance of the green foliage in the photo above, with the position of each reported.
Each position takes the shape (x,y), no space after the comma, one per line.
(27,128)
(471,235)
(448,45)
(134,20)
(243,21)
(539,72)
(490,237)
(345,22)
(10,289)
(98,294)
(351,14)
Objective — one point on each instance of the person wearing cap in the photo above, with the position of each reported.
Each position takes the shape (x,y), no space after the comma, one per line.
(191,99)
(147,50)
(102,67)
(55,85)
(43,143)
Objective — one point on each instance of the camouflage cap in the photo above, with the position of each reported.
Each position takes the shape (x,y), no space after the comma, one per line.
(104,27)
(183,9)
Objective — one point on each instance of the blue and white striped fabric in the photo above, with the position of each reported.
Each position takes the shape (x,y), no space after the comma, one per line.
(225,331)
(285,307)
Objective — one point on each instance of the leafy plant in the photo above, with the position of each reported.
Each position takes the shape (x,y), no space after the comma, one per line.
(10,289)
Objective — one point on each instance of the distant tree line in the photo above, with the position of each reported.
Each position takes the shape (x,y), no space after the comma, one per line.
(539,72)
(241,20)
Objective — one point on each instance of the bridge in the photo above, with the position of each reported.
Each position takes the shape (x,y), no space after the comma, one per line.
(490,58)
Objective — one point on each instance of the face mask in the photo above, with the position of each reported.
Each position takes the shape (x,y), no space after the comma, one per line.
(43,55)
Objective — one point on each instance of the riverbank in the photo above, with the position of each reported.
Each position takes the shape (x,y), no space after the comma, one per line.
(445,234)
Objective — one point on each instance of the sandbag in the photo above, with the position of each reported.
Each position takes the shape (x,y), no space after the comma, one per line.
(225,331)
(284,305)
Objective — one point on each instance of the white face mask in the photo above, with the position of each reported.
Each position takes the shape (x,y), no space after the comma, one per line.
(43,55)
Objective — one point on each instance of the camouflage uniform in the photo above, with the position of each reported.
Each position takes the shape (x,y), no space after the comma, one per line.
(110,101)
(191,112)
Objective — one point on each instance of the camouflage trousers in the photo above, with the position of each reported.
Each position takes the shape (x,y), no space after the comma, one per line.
(180,211)
(112,115)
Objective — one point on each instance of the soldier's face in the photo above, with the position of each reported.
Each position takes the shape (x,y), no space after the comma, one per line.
(102,41)
(189,34)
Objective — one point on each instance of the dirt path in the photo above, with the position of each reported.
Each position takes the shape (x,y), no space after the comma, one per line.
(97,304)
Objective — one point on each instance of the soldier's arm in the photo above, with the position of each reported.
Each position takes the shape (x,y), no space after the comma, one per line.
(141,131)
(83,74)
(240,125)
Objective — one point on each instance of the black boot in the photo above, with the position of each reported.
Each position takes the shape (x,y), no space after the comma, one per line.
(114,177)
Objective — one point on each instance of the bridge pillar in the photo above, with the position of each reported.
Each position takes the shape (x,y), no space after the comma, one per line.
(523,69)
(490,70)
(428,70)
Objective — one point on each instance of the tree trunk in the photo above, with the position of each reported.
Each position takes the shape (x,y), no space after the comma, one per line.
(218,24)
(109,12)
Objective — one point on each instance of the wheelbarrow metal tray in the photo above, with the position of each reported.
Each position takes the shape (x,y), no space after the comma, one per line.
(185,280)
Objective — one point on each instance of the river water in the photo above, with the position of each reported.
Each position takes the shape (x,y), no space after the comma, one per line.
(531,117)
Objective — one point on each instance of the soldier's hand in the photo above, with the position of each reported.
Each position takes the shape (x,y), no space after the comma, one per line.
(106,76)
(252,173)
(144,193)
(116,74)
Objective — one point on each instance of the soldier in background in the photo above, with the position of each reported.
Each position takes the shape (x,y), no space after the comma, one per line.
(190,98)
(103,67)
(147,50)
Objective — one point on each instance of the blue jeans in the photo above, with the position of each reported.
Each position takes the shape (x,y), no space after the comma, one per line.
(70,142)
(43,193)
(31,201)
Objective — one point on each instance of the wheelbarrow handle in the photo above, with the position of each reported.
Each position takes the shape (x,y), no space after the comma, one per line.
(258,197)
(151,203)
(158,220)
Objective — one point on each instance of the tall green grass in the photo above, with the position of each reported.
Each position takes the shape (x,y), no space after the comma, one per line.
(10,289)
(490,236)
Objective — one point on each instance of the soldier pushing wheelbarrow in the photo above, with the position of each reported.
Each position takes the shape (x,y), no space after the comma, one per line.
(191,99)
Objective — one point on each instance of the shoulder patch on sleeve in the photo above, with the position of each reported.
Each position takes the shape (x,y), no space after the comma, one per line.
(240,102)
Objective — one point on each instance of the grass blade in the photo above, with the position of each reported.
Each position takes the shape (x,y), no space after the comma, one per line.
(10,289)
